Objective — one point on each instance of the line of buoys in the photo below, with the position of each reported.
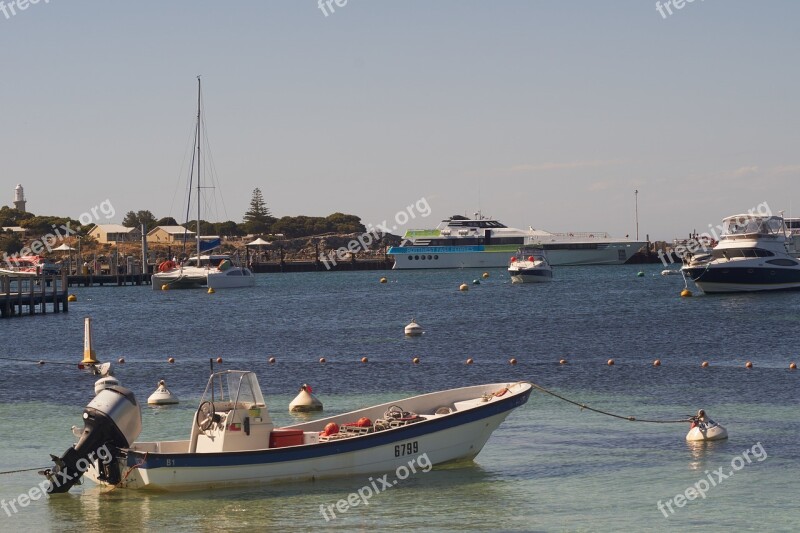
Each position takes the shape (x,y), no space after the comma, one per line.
(321,359)
(640,274)
(476,281)
(171,360)
(219,360)
(686,293)
(121,360)
(610,362)
(704,364)
(562,362)
(364,360)
(271,360)
(211,290)
(469,360)
(72,298)
(512,361)
(415,360)
(792,366)
(384,280)
(463,287)
(485,275)
(165,287)
(748,364)
(657,362)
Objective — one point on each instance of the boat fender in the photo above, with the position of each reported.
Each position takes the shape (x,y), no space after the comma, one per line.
(331,429)
(167,265)
(500,392)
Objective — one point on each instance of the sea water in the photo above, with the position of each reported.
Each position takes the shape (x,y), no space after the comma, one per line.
(549,467)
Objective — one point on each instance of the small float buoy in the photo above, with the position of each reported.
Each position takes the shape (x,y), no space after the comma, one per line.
(40,363)
(72,298)
(485,275)
(271,360)
(703,428)
(704,364)
(610,362)
(165,287)
(321,359)
(476,282)
(415,360)
(121,360)
(171,360)
(792,366)
(413,329)
(211,290)
(305,401)
(463,287)
(104,383)
(562,362)
(640,274)
(364,360)
(748,364)
(219,360)
(162,395)
(686,293)
(657,362)
(384,280)
(512,361)
(469,360)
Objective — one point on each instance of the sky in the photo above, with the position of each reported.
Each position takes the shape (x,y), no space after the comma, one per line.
(547,114)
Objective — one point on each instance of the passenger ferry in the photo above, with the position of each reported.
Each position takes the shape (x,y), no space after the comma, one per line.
(461,242)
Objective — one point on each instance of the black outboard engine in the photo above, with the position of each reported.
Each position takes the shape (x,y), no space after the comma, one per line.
(112,420)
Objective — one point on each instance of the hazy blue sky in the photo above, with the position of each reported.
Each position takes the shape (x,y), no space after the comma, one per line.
(542,113)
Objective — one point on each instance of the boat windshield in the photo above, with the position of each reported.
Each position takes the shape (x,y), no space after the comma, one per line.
(752,225)
(234,385)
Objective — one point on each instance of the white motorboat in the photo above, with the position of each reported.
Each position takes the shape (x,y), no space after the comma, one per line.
(233,441)
(479,242)
(530,265)
(755,253)
(217,272)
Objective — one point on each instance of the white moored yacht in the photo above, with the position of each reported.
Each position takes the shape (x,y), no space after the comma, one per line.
(461,242)
(530,265)
(755,253)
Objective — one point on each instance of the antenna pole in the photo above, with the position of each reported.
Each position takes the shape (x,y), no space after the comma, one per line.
(636,196)
(198,172)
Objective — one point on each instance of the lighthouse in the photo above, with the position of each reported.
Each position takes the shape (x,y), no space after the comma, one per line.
(19,199)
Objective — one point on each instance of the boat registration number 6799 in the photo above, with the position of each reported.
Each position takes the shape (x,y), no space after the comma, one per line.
(406,449)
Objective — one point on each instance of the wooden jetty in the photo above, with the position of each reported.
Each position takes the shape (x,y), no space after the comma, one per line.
(92,280)
(28,294)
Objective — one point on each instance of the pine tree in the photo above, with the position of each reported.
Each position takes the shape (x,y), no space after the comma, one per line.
(258,218)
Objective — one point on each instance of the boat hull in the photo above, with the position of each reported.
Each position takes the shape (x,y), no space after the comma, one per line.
(232,278)
(178,279)
(456,436)
(724,279)
(411,257)
(530,275)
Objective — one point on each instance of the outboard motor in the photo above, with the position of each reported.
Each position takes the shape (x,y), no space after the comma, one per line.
(112,420)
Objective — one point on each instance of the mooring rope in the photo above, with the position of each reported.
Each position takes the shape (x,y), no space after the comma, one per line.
(22,470)
(628,418)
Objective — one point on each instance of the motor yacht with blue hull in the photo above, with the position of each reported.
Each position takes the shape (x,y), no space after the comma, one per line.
(233,440)
(755,253)
(479,242)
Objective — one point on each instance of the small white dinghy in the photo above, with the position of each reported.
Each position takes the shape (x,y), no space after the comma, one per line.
(233,440)
(703,428)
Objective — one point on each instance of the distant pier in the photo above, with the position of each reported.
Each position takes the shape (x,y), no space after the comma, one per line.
(28,295)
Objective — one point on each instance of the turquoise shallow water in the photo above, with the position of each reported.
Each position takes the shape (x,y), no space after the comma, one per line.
(549,467)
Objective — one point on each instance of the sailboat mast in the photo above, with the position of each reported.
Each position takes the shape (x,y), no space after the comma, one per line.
(197,227)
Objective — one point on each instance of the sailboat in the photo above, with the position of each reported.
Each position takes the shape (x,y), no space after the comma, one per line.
(214,271)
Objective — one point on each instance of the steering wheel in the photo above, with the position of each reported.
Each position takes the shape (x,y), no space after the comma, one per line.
(394,411)
(205,415)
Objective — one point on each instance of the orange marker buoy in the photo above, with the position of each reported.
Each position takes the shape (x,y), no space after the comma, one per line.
(512,361)
(562,361)
(704,364)
(219,360)
(271,360)
(121,360)
(469,360)
(364,360)
(792,366)
(321,359)
(657,362)
(415,360)
(610,362)
(171,360)
(748,365)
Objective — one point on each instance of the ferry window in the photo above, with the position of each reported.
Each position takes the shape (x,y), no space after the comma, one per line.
(436,257)
(423,258)
(416,257)
(429,258)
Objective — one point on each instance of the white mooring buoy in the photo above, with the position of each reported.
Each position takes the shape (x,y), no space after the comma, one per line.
(413,329)
(305,401)
(703,428)
(162,395)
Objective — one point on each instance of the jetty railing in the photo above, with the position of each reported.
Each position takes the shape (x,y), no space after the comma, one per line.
(23,293)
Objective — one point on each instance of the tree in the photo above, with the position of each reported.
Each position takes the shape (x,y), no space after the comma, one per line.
(167,221)
(227,229)
(135,220)
(258,218)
